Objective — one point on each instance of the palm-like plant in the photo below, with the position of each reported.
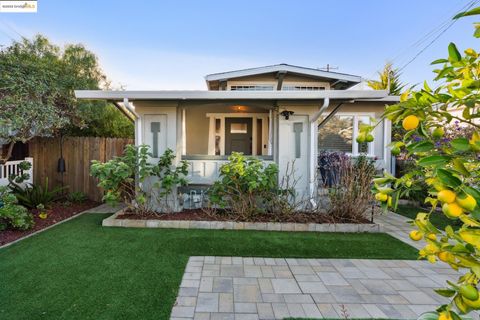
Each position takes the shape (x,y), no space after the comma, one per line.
(389,79)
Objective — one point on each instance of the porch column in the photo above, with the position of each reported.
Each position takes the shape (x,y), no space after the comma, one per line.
(211,136)
(254,136)
(222,136)
(265,133)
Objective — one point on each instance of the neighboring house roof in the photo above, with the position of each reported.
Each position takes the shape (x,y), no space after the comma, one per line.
(347,80)
(176,95)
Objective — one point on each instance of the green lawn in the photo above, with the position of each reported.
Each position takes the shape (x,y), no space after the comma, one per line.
(80,270)
(438,219)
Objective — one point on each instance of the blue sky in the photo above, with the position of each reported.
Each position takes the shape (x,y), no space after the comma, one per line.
(173,44)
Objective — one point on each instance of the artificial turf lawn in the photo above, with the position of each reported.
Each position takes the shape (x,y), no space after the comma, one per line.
(80,270)
(438,219)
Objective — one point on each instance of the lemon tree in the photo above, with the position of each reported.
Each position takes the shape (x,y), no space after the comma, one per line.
(450,168)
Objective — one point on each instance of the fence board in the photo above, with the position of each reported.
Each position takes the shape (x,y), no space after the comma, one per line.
(78,153)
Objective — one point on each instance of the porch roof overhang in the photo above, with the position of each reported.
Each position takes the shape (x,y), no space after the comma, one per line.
(192,95)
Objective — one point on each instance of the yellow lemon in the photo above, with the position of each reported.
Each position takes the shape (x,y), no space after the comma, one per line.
(411,122)
(431,248)
(445,256)
(369,138)
(389,201)
(446,196)
(382,197)
(444,316)
(452,210)
(467,202)
(416,235)
(432,236)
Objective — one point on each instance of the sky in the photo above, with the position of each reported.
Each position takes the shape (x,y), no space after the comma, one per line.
(172,45)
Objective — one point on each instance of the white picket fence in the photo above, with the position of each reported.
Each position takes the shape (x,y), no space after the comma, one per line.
(11,167)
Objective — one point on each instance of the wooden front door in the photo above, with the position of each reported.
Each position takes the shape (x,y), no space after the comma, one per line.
(238,135)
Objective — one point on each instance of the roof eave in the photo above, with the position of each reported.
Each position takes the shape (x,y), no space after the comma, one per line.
(231,95)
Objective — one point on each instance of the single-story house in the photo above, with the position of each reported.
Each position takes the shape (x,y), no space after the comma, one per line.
(280,113)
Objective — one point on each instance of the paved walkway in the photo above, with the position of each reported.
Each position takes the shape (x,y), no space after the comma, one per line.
(266,288)
(397,226)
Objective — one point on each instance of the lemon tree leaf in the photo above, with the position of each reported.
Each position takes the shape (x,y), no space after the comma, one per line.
(433,161)
(448,179)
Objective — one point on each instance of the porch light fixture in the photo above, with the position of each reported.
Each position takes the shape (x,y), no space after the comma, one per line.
(286,114)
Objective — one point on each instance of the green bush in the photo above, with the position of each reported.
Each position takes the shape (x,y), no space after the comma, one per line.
(246,187)
(76,196)
(155,182)
(33,195)
(12,214)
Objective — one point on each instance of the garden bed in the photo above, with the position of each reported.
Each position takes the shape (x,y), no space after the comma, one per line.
(198,219)
(58,212)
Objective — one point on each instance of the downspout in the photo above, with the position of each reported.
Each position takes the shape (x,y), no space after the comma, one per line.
(313,162)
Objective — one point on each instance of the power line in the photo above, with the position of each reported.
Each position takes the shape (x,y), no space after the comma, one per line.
(436,38)
(439,30)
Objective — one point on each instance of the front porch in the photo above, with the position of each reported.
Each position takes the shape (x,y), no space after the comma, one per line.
(210,133)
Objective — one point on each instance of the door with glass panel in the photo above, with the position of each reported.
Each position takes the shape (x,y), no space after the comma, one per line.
(238,135)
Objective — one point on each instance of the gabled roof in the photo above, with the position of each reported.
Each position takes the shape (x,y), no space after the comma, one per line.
(348,79)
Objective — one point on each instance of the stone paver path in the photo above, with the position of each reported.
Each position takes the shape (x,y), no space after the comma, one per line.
(265,288)
(397,226)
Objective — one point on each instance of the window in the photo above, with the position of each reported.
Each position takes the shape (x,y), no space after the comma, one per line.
(257,87)
(238,128)
(302,88)
(340,133)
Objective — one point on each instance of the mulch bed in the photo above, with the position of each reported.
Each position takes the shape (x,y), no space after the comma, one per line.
(58,212)
(222,215)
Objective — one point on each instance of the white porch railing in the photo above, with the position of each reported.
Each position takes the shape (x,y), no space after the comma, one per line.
(11,167)
(206,171)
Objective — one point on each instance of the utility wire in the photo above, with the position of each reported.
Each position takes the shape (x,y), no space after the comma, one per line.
(435,38)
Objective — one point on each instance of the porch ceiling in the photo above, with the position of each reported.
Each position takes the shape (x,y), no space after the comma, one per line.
(231,95)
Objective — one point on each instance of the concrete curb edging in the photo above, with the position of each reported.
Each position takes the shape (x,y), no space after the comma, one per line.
(112,221)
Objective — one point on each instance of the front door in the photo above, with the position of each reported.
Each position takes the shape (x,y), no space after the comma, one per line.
(238,135)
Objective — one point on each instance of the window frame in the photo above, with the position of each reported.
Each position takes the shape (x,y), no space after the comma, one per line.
(356,116)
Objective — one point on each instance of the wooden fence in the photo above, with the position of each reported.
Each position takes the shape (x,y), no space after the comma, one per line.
(78,153)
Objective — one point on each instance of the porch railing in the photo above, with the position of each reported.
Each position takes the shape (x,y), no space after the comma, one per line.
(12,167)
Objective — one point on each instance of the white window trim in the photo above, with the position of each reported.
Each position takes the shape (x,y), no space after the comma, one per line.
(371,145)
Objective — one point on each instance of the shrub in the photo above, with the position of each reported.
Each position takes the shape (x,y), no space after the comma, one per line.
(349,188)
(155,182)
(247,187)
(12,214)
(31,196)
(76,196)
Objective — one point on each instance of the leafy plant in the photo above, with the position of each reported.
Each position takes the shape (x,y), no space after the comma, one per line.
(451,168)
(33,195)
(76,196)
(133,179)
(245,186)
(12,214)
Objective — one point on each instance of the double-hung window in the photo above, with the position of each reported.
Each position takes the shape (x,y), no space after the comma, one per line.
(340,134)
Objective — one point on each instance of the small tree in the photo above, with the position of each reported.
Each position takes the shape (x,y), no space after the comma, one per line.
(450,167)
(127,178)
(37,83)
